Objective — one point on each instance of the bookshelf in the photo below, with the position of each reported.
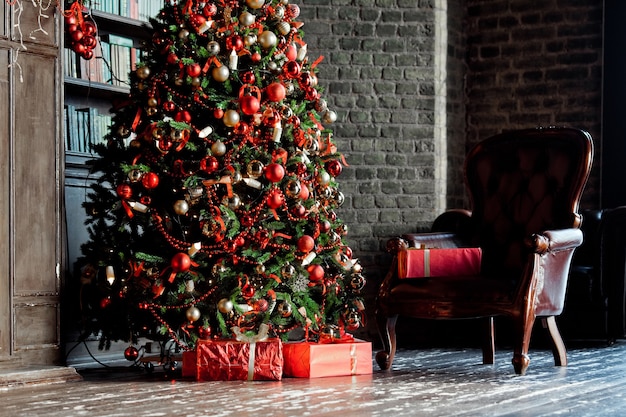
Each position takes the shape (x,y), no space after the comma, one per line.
(91,86)
(90,89)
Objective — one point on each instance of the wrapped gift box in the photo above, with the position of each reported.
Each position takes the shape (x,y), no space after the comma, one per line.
(314,360)
(230,360)
(420,263)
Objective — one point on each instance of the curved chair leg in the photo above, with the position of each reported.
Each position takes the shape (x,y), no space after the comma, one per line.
(387,330)
(489,344)
(558,347)
(523,329)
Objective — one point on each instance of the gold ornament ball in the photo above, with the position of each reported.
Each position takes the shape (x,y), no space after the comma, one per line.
(183,34)
(218,148)
(153,102)
(233,202)
(213,48)
(255,4)
(193,314)
(231,118)
(221,73)
(181,207)
(267,39)
(329,117)
(288,271)
(218,269)
(134,175)
(283,28)
(255,168)
(292,188)
(225,306)
(340,198)
(158,133)
(177,135)
(323,178)
(143,72)
(284,309)
(249,40)
(247,18)
(279,12)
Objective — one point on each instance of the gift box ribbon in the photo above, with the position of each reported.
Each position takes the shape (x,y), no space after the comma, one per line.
(259,337)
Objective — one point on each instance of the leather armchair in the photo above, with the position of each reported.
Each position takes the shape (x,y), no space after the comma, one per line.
(525,188)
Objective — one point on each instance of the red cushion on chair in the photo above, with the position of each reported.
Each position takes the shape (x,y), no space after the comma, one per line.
(422,263)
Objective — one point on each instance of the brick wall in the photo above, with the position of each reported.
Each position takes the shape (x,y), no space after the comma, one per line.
(533,63)
(505,64)
(378,75)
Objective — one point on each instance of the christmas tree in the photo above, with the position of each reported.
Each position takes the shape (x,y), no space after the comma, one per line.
(216,205)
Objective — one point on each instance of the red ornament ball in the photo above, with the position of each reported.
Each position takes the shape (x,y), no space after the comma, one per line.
(89,28)
(150,180)
(325,226)
(255,57)
(204,332)
(247,291)
(261,305)
(105,302)
(274,172)
(197,20)
(298,211)
(77,35)
(209,164)
(181,262)
(131,353)
(316,273)
(78,47)
(249,104)
(194,70)
(275,92)
(291,69)
(218,113)
(291,52)
(209,10)
(305,193)
(334,167)
(306,244)
(275,199)
(234,42)
(248,77)
(87,54)
(183,116)
(89,41)
(124,191)
(71,19)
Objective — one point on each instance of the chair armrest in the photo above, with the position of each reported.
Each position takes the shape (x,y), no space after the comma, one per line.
(555,240)
(560,244)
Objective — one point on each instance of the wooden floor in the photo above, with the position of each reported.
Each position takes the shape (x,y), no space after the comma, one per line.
(434,382)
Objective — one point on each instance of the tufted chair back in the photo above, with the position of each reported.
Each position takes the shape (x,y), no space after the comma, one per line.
(521,183)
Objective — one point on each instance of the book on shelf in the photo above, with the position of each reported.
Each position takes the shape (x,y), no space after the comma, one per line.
(84,127)
(134,9)
(114,58)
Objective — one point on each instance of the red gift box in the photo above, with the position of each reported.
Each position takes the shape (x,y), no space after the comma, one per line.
(421,263)
(314,360)
(231,360)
